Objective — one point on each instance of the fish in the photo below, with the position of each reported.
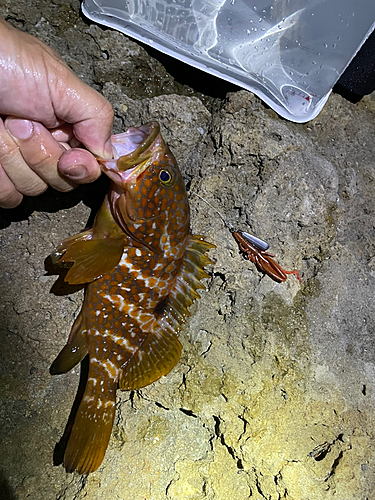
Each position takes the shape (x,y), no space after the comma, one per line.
(142,269)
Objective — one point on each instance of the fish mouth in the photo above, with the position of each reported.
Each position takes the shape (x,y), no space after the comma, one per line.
(131,150)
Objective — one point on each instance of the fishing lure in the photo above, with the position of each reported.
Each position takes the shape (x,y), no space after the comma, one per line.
(255,250)
(263,260)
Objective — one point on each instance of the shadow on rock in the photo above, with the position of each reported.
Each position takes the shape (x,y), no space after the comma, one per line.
(200,81)
(52,201)
(60,287)
(5,490)
(59,451)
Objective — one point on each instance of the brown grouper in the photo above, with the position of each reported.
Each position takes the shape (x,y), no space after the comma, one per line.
(142,268)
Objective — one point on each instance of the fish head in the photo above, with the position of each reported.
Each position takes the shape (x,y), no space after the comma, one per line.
(147,198)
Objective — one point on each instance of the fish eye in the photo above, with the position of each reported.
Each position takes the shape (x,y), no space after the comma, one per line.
(165,178)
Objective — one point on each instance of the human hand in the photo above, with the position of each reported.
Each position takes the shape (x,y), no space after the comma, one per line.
(46,111)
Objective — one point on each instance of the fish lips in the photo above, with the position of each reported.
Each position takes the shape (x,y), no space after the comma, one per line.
(131,150)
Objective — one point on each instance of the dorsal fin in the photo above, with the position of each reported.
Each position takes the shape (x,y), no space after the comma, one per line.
(188,281)
(161,349)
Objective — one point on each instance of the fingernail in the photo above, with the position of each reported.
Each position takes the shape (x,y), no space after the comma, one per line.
(20,129)
(75,172)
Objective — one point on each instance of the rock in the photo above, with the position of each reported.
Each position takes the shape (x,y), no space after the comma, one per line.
(274,394)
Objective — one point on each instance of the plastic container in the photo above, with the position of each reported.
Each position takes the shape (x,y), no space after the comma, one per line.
(288,52)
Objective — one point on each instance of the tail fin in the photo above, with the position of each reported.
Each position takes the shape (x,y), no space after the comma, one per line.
(92,427)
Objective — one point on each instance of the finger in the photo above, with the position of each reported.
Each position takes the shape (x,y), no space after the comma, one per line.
(23,178)
(91,135)
(75,143)
(64,136)
(39,150)
(9,196)
(79,165)
(63,133)
(90,114)
(59,96)
(65,145)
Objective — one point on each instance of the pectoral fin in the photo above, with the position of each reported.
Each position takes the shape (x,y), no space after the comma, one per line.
(91,258)
(65,244)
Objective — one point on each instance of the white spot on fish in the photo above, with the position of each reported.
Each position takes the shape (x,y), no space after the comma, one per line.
(92,380)
(88,399)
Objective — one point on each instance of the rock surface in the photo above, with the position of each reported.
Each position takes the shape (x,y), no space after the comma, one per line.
(274,394)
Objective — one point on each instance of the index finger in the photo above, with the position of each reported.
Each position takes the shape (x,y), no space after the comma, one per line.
(90,114)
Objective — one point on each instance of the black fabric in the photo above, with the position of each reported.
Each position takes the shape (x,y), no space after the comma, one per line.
(359,77)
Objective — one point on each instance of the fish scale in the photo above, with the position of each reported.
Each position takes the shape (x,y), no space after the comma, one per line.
(142,270)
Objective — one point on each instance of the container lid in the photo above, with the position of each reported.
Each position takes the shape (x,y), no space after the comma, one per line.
(288,52)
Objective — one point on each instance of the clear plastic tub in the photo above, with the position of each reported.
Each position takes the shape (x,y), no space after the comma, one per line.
(288,52)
